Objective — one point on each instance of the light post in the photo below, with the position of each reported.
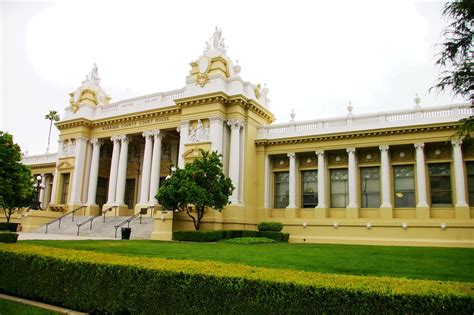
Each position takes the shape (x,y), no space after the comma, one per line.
(36,205)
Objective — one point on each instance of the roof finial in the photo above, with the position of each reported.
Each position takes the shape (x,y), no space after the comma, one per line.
(349,109)
(216,42)
(417,100)
(292,115)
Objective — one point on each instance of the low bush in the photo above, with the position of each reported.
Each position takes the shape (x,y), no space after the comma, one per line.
(228,234)
(277,236)
(249,240)
(105,283)
(8,237)
(198,236)
(13,227)
(270,226)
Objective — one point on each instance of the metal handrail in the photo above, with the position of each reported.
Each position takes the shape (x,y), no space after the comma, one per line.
(109,209)
(87,221)
(62,217)
(128,221)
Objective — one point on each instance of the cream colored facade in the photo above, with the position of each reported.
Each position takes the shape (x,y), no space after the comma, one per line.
(384,178)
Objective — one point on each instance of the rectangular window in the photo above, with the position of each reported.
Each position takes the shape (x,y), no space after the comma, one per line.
(281,191)
(309,185)
(470,182)
(440,184)
(65,188)
(370,187)
(404,186)
(339,188)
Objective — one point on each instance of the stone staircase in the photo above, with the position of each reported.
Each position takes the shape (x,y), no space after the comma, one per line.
(100,229)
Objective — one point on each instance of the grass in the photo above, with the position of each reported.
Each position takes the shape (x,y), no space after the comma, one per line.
(432,263)
(14,308)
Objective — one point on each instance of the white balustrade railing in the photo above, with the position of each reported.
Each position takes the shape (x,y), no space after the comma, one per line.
(448,113)
(172,95)
(40,159)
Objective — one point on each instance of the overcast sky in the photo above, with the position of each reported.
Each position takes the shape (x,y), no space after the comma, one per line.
(315,56)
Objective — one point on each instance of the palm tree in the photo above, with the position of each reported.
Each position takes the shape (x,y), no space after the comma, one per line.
(51,116)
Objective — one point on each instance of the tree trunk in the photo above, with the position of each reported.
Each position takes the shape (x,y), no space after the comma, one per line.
(49,135)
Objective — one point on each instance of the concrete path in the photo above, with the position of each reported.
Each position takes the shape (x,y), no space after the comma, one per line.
(43,236)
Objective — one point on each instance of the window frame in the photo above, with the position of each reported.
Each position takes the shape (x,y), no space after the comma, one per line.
(440,205)
(361,168)
(274,189)
(394,178)
(331,190)
(302,193)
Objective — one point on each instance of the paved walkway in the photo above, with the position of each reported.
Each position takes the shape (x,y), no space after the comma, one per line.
(43,236)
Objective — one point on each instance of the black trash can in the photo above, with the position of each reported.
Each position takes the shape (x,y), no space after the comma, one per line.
(126,233)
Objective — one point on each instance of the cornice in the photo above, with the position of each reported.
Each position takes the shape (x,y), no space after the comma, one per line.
(221,97)
(356,134)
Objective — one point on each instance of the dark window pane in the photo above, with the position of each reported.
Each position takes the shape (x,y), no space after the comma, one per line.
(281,191)
(339,188)
(370,187)
(440,184)
(309,189)
(404,186)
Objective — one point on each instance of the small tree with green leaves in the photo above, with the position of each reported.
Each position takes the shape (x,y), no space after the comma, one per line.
(199,185)
(51,116)
(16,182)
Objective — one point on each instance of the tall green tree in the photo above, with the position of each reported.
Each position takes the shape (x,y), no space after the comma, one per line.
(456,56)
(51,116)
(199,185)
(16,182)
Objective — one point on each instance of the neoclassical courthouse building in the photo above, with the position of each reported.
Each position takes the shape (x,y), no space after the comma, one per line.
(384,178)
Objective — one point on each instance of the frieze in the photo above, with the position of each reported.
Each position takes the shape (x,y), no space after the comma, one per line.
(368,156)
(280,162)
(132,124)
(308,160)
(337,158)
(402,154)
(437,151)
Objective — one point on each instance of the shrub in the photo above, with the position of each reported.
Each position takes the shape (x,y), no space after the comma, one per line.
(8,237)
(270,226)
(13,227)
(228,234)
(249,240)
(277,236)
(105,283)
(198,236)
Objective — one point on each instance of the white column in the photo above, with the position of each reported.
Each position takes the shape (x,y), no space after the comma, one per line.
(113,170)
(459,174)
(145,183)
(352,172)
(87,173)
(216,133)
(266,182)
(155,167)
(122,171)
(385,176)
(94,174)
(183,130)
(56,173)
(41,197)
(421,175)
(321,179)
(78,174)
(234,157)
(292,181)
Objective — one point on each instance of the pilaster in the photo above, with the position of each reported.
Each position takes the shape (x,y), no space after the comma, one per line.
(78,173)
(386,209)
(155,167)
(422,208)
(234,158)
(352,210)
(321,211)
(461,207)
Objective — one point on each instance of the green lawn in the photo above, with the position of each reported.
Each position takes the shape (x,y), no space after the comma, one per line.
(13,308)
(409,262)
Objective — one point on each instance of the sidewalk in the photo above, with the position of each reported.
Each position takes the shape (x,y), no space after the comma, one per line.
(22,236)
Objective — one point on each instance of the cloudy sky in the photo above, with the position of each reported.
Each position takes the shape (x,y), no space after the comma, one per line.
(315,56)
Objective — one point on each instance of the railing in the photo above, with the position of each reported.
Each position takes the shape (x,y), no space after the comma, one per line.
(425,115)
(94,217)
(133,217)
(73,212)
(47,158)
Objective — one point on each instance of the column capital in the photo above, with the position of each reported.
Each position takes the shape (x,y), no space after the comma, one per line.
(157,134)
(456,142)
(291,155)
(116,138)
(350,150)
(319,152)
(96,142)
(419,145)
(383,148)
(147,134)
(216,119)
(235,124)
(124,139)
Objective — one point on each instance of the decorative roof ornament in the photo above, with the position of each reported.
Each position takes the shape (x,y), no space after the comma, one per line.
(93,76)
(90,92)
(417,100)
(237,68)
(216,42)
(349,109)
(292,115)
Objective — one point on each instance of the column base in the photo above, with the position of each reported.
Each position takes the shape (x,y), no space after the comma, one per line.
(423,212)
(139,207)
(320,212)
(291,213)
(92,210)
(352,212)
(163,226)
(386,212)
(462,212)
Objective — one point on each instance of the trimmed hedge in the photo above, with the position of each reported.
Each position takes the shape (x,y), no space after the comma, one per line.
(214,236)
(8,237)
(270,226)
(248,240)
(13,227)
(106,283)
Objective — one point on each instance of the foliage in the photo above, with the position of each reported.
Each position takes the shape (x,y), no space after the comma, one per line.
(16,182)
(249,240)
(277,236)
(105,283)
(8,237)
(51,116)
(12,227)
(270,226)
(199,185)
(11,307)
(228,234)
(198,236)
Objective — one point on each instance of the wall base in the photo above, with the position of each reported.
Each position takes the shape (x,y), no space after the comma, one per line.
(163,226)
